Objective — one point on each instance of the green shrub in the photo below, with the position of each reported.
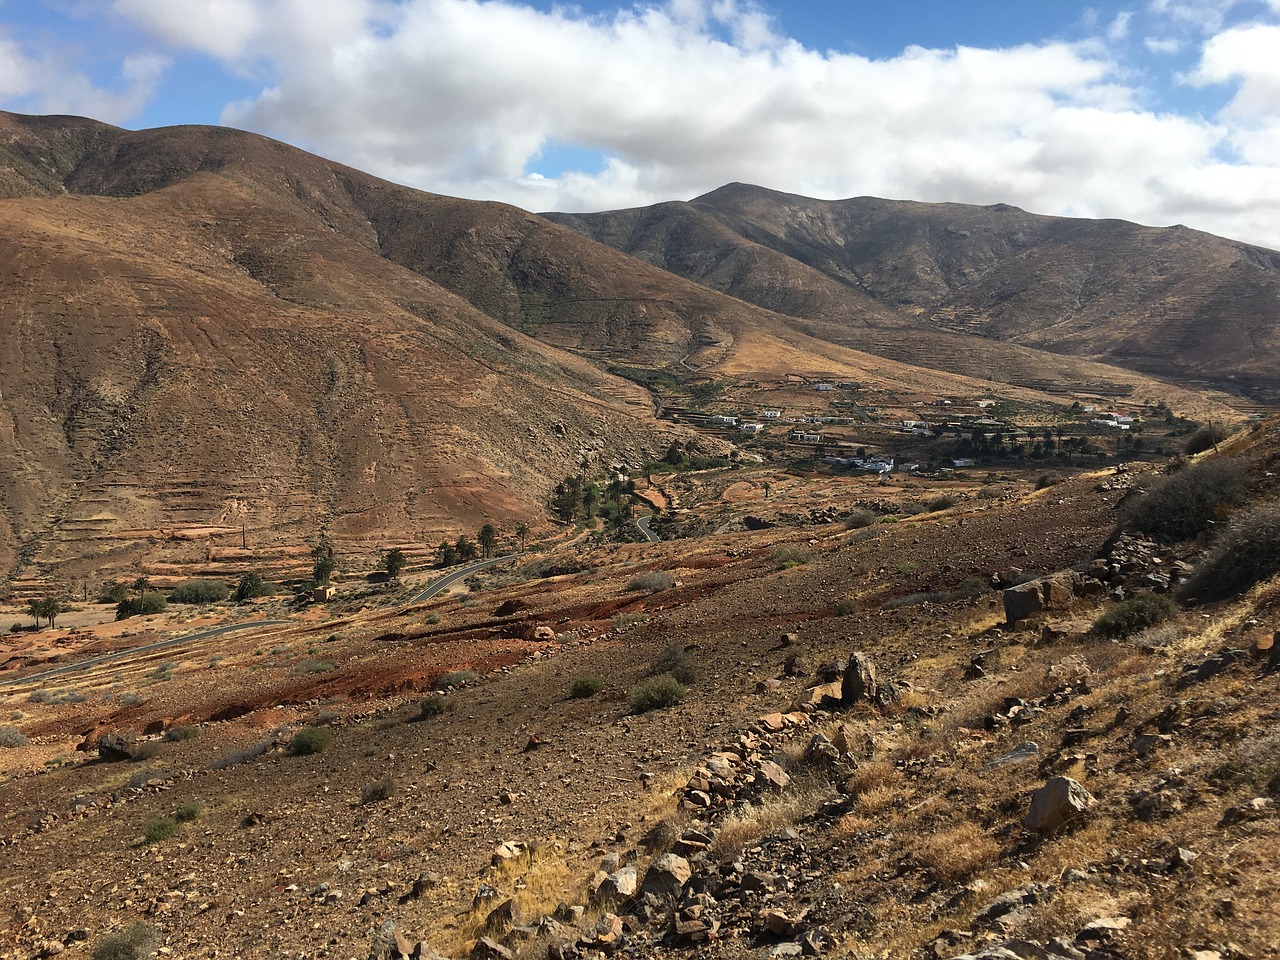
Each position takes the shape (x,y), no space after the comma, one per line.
(1247,552)
(187,812)
(1130,616)
(12,737)
(791,555)
(382,789)
(623,620)
(1182,505)
(314,666)
(430,707)
(652,581)
(456,678)
(199,591)
(176,734)
(656,694)
(941,502)
(145,605)
(159,829)
(846,606)
(858,517)
(675,661)
(585,687)
(130,700)
(113,592)
(310,740)
(251,585)
(1205,438)
(1046,480)
(138,941)
(147,750)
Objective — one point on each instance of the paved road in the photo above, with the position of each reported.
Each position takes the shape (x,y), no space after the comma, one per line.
(449,579)
(643,524)
(159,644)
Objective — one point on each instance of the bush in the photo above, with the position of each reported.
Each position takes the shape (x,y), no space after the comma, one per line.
(176,734)
(1205,438)
(242,755)
(1046,480)
(145,605)
(199,591)
(130,700)
(1182,505)
(652,582)
(846,606)
(858,517)
(113,592)
(382,789)
(676,662)
(585,687)
(1247,553)
(187,812)
(791,555)
(656,694)
(430,707)
(456,678)
(159,829)
(623,620)
(1130,616)
(138,941)
(941,502)
(12,737)
(310,740)
(251,585)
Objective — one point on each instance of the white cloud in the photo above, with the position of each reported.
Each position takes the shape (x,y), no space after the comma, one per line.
(1162,45)
(460,96)
(43,79)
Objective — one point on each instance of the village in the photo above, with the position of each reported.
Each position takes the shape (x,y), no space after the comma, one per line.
(845,426)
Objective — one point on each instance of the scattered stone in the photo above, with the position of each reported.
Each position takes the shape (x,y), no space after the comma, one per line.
(1023,751)
(794,666)
(1059,801)
(1146,743)
(614,887)
(114,747)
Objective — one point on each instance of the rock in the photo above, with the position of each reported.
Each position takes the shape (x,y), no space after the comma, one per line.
(1023,751)
(1022,602)
(615,887)
(1010,902)
(666,876)
(821,750)
(859,681)
(502,918)
(508,850)
(772,776)
(543,633)
(777,923)
(788,640)
(114,747)
(1059,801)
(1224,659)
(794,666)
(486,949)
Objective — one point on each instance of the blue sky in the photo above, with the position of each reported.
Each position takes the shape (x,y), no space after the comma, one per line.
(1159,111)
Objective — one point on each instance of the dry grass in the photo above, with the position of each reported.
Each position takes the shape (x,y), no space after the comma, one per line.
(954,854)
(742,828)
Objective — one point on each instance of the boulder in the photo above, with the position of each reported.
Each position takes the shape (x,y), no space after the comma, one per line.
(859,681)
(1059,801)
(486,949)
(115,746)
(502,918)
(666,876)
(1022,602)
(615,887)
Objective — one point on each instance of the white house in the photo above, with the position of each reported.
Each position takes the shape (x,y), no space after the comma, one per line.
(824,387)
(770,414)
(751,427)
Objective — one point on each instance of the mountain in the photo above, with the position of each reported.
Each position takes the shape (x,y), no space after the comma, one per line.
(210,337)
(1169,301)
(200,331)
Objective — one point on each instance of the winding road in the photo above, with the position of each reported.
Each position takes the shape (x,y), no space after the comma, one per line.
(449,579)
(643,525)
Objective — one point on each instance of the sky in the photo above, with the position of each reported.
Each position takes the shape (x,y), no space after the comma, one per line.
(1157,111)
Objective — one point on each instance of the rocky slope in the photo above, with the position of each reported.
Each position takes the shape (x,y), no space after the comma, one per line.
(1169,301)
(779,810)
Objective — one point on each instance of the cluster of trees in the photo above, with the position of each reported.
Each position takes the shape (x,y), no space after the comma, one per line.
(464,549)
(575,497)
(46,608)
